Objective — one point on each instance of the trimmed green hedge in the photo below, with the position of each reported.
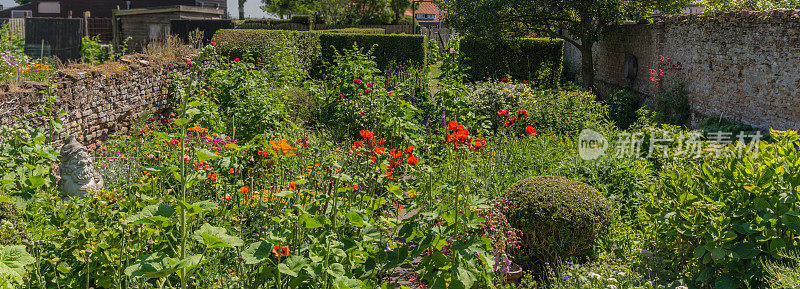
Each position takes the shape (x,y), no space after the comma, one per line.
(537,60)
(271,23)
(356,30)
(239,43)
(388,49)
(315,48)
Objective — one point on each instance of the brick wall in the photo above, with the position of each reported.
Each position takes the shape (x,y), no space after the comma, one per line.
(739,65)
(97,104)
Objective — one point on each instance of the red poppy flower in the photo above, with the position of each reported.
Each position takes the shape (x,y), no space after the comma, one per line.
(395,153)
(504,79)
(525,81)
(530,130)
(231,171)
(412,160)
(522,113)
(303,141)
(285,251)
(503,113)
(479,144)
(358,144)
(366,134)
(275,250)
(399,205)
(244,190)
(292,185)
(410,149)
(264,153)
(380,150)
(454,126)
(211,177)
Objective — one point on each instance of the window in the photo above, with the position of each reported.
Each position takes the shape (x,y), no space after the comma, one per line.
(49,7)
(158,31)
(21,13)
(426,16)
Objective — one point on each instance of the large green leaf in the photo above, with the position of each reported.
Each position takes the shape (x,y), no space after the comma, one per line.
(13,260)
(256,252)
(198,207)
(355,219)
(216,237)
(747,250)
(204,155)
(156,265)
(151,214)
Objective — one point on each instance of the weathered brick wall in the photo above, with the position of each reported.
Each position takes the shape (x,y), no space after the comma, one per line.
(739,65)
(97,104)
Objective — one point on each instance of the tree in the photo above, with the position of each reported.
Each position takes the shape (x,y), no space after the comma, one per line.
(580,23)
(399,8)
(241,9)
(289,7)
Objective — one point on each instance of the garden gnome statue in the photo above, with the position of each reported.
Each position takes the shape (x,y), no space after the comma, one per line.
(78,176)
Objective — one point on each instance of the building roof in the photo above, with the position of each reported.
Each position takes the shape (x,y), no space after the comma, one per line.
(167,9)
(426,8)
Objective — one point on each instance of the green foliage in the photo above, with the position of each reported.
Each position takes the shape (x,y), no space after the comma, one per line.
(559,218)
(267,45)
(537,60)
(13,260)
(622,107)
(14,44)
(92,52)
(716,6)
(672,106)
(561,111)
(273,23)
(387,49)
(719,124)
(784,275)
(721,217)
(356,31)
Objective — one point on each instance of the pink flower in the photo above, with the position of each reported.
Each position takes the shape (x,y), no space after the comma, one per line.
(341,96)
(236,60)
(367,90)
(186,158)
(369,85)
(661,58)
(357,81)
(390,93)
(213,43)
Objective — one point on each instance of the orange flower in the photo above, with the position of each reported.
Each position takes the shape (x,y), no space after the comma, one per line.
(399,205)
(285,251)
(412,160)
(197,129)
(275,250)
(395,153)
(366,134)
(479,144)
(292,185)
(355,188)
(283,146)
(410,149)
(380,150)
(211,177)
(244,190)
(279,251)
(357,144)
(231,171)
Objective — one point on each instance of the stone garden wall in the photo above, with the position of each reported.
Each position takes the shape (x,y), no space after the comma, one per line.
(744,66)
(97,104)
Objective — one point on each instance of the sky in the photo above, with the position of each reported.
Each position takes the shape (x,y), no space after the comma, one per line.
(251,9)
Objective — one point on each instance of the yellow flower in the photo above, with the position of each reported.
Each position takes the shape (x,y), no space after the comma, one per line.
(283,146)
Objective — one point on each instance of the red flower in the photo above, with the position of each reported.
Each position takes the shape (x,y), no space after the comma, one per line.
(504,79)
(380,150)
(275,251)
(244,190)
(522,113)
(285,251)
(525,81)
(366,134)
(503,113)
(357,144)
(395,153)
(530,130)
(412,160)
(399,205)
(452,125)
(211,177)
(303,141)
(231,171)
(292,185)
(479,144)
(410,149)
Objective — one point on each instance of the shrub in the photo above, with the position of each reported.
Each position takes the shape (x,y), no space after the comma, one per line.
(267,45)
(92,51)
(387,49)
(559,218)
(562,111)
(622,106)
(721,219)
(356,30)
(487,98)
(537,60)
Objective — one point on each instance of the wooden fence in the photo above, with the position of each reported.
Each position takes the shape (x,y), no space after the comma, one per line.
(441,35)
(59,37)
(101,27)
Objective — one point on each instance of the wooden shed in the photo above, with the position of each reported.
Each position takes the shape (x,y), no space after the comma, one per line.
(148,24)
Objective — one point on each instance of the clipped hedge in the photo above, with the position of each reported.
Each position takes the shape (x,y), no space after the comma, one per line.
(266,44)
(538,60)
(388,49)
(356,30)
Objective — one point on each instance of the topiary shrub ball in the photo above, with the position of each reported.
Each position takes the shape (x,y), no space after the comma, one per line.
(559,218)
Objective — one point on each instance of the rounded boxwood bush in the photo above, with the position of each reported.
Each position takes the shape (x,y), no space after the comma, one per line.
(559,218)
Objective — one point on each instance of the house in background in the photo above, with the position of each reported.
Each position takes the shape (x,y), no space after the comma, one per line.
(427,14)
(97,8)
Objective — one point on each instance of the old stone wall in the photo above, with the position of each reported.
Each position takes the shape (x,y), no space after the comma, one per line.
(741,66)
(97,104)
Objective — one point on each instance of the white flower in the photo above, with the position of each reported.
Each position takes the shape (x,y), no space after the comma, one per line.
(681,287)
(611,286)
(593,275)
(612,280)
(621,274)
